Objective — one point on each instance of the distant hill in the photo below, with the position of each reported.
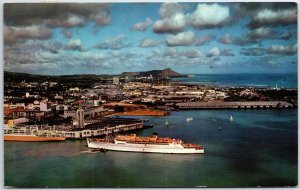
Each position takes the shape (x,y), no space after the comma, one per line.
(155,73)
(19,77)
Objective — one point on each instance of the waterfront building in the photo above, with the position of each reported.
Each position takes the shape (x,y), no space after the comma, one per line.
(105,126)
(13,122)
(88,112)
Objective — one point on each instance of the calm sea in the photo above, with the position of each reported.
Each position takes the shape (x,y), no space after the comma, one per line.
(258,149)
(244,80)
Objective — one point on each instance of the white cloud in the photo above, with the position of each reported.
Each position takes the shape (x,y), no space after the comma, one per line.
(153,54)
(172,19)
(142,26)
(71,14)
(205,16)
(171,52)
(181,39)
(175,54)
(169,9)
(209,16)
(258,34)
(217,52)
(261,33)
(272,17)
(74,44)
(102,18)
(92,56)
(205,39)
(71,21)
(149,43)
(214,52)
(192,53)
(115,43)
(13,34)
(283,50)
(173,24)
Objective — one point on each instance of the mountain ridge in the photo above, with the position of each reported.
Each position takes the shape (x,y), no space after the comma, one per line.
(18,76)
(168,72)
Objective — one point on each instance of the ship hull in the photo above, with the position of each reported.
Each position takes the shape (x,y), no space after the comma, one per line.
(31,138)
(151,148)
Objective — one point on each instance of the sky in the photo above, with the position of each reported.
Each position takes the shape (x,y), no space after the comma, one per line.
(111,38)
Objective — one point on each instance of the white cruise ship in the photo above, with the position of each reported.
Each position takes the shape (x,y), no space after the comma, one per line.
(154,144)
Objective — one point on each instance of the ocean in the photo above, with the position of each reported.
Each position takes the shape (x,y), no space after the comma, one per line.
(266,80)
(259,148)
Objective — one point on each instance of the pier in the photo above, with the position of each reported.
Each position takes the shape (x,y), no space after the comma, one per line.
(144,112)
(235,105)
(106,126)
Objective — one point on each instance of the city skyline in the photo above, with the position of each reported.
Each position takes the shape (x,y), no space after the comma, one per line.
(98,38)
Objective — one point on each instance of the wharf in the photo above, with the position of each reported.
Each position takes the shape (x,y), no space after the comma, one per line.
(103,126)
(235,105)
(144,112)
(106,126)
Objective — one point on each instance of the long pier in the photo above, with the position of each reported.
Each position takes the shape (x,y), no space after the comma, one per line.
(235,105)
(106,126)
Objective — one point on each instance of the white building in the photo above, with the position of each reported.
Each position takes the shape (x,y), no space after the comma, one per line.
(80,118)
(70,113)
(20,120)
(116,80)
(44,106)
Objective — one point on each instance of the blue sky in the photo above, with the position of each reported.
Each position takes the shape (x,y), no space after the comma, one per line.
(60,39)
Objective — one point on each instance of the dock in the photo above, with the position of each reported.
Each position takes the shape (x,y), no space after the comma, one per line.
(235,105)
(144,112)
(106,126)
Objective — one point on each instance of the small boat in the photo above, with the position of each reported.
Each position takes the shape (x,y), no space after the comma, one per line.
(166,122)
(94,150)
(189,119)
(231,119)
(213,120)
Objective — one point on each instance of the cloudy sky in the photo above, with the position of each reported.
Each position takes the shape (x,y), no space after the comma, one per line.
(59,39)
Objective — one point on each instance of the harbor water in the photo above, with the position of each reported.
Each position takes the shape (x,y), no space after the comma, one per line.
(258,148)
(261,80)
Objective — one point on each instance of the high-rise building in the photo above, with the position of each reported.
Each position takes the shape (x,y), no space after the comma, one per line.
(116,80)
(80,117)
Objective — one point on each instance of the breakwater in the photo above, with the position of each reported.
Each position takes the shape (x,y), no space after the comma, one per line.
(235,105)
